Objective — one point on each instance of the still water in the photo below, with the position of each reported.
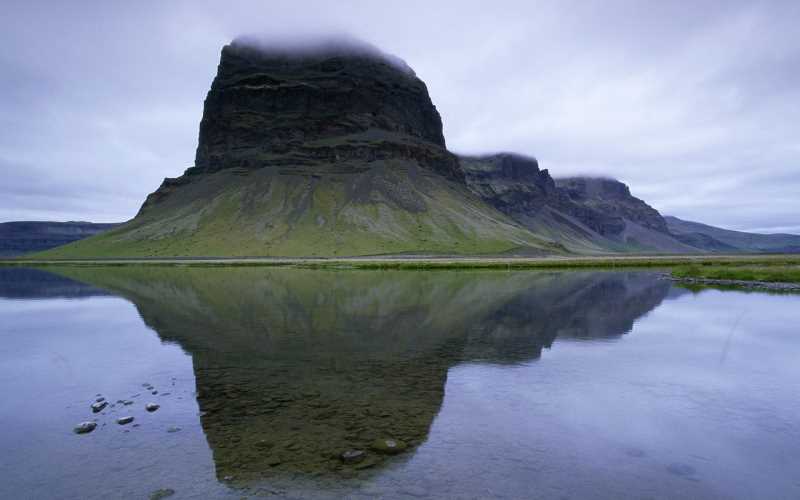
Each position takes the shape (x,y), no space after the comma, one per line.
(500,384)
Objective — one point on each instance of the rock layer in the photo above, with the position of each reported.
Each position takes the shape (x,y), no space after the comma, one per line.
(335,100)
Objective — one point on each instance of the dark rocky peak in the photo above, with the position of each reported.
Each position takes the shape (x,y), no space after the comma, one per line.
(509,166)
(594,187)
(510,182)
(612,198)
(329,99)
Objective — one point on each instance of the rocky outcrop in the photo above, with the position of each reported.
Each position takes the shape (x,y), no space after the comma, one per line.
(584,214)
(338,99)
(511,183)
(614,201)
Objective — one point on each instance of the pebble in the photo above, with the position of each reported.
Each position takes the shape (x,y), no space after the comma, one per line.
(162,493)
(124,420)
(151,407)
(388,446)
(173,429)
(85,427)
(352,456)
(100,399)
(99,406)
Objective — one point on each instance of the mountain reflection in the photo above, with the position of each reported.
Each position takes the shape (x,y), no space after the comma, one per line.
(295,366)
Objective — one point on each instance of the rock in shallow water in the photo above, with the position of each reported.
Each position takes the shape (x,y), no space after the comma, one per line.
(151,407)
(99,406)
(352,456)
(124,420)
(85,427)
(388,446)
(162,493)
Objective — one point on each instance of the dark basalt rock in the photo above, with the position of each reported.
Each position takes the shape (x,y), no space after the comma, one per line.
(512,183)
(270,100)
(516,186)
(330,103)
(85,427)
(613,200)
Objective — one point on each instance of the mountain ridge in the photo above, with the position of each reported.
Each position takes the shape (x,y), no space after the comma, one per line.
(333,148)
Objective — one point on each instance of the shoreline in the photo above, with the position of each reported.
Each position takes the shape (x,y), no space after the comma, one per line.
(425,262)
(738,284)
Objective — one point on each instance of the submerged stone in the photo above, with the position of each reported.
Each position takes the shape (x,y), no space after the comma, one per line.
(352,456)
(99,406)
(124,420)
(162,493)
(151,407)
(85,427)
(388,446)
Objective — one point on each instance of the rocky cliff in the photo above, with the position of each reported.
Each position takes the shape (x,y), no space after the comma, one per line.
(336,101)
(321,149)
(613,199)
(584,214)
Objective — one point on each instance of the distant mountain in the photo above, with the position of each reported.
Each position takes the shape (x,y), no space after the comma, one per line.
(331,148)
(716,239)
(17,238)
(586,215)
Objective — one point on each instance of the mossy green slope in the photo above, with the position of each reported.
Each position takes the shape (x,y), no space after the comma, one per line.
(387,207)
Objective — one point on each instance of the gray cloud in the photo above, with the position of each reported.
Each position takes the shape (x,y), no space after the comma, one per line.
(694,104)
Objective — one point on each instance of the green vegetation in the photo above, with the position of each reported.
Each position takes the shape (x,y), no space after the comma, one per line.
(313,213)
(777,273)
(423,263)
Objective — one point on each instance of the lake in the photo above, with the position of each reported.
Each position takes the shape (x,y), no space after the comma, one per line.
(439,384)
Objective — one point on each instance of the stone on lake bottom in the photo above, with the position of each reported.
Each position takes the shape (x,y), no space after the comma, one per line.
(85,427)
(99,406)
(352,456)
(388,446)
(151,407)
(162,493)
(124,420)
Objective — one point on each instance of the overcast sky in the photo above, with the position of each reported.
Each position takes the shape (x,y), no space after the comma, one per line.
(694,104)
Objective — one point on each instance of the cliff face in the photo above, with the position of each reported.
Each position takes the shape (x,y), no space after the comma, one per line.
(612,198)
(340,100)
(584,214)
(511,183)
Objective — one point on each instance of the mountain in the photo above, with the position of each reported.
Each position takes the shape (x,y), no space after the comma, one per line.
(717,239)
(327,148)
(17,238)
(586,215)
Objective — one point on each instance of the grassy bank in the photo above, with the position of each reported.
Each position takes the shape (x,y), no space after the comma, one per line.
(769,274)
(705,263)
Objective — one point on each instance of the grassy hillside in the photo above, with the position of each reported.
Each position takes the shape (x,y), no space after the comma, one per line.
(390,207)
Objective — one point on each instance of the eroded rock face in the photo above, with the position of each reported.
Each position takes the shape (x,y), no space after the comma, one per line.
(516,186)
(612,198)
(328,101)
(509,182)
